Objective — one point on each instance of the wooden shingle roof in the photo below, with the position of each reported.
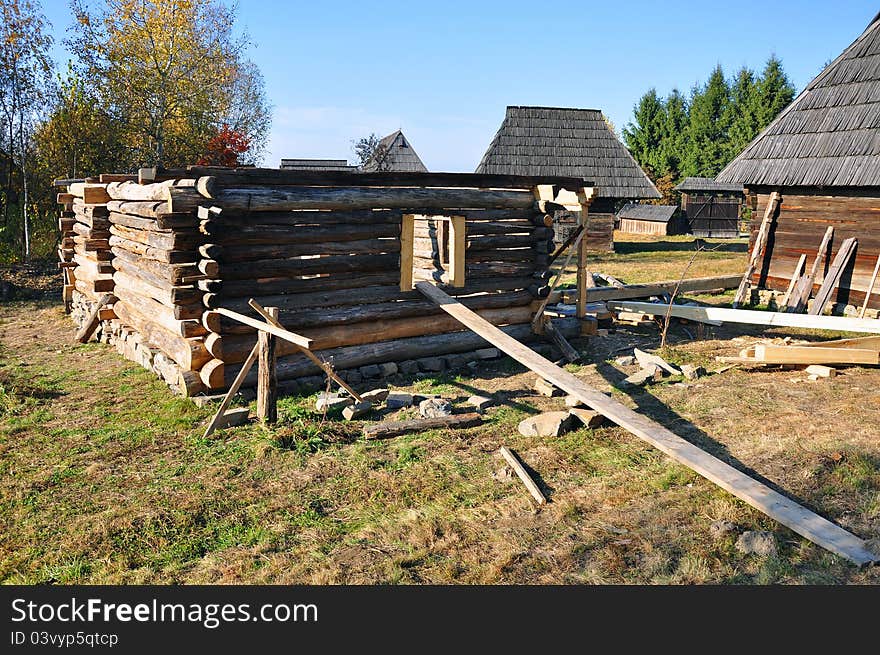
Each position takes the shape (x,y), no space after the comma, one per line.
(653,213)
(708,184)
(829,135)
(567,142)
(396,154)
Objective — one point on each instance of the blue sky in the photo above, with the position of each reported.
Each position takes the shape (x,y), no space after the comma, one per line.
(445,71)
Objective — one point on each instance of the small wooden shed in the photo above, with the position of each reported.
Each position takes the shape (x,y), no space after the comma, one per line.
(660,220)
(822,155)
(711,208)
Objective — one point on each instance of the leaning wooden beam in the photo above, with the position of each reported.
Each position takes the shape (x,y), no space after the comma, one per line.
(757,250)
(752,317)
(328,369)
(829,284)
(804,287)
(233,389)
(870,288)
(91,323)
(292,337)
(798,271)
(760,496)
(396,428)
(520,470)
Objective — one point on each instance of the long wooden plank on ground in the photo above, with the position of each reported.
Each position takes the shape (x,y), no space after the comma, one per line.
(867,343)
(757,250)
(806,523)
(774,354)
(751,317)
(658,288)
(829,284)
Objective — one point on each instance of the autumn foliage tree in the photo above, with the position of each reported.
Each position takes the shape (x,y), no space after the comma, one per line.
(172,72)
(225,148)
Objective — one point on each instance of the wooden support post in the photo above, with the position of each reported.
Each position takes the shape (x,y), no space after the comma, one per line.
(233,389)
(91,324)
(582,273)
(758,249)
(457,245)
(758,495)
(407,228)
(870,288)
(267,380)
(326,367)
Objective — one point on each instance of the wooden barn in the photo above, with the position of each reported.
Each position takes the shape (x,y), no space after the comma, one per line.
(659,220)
(571,143)
(395,153)
(822,156)
(711,208)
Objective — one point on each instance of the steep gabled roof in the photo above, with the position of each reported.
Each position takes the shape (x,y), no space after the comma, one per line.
(653,213)
(829,135)
(567,142)
(708,184)
(395,153)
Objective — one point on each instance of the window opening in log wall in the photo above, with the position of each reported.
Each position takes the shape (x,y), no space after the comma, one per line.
(432,248)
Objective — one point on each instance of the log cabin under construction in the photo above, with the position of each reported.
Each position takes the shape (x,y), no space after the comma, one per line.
(822,156)
(337,253)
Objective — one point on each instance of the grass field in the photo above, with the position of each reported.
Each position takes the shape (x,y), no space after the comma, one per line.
(105,478)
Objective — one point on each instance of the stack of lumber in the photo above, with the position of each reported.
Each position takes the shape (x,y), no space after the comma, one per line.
(89,234)
(863,351)
(329,258)
(159,306)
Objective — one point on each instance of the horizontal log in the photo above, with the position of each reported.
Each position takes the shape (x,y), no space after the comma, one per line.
(291,198)
(223,177)
(130,190)
(177,240)
(395,350)
(295,267)
(137,222)
(241,235)
(159,254)
(363,295)
(96,267)
(103,255)
(190,354)
(209,268)
(90,211)
(161,314)
(167,296)
(388,429)
(305,317)
(213,218)
(243,253)
(183,293)
(234,348)
(89,233)
(90,193)
(174,274)
(269,285)
(658,288)
(105,178)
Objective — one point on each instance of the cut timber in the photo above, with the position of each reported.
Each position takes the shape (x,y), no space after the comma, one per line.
(757,250)
(867,343)
(233,389)
(754,317)
(844,255)
(870,288)
(520,470)
(266,327)
(798,271)
(267,379)
(772,354)
(396,428)
(91,324)
(348,198)
(804,287)
(821,371)
(658,288)
(761,497)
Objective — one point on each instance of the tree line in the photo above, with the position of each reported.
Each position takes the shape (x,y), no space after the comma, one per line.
(151,82)
(696,136)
